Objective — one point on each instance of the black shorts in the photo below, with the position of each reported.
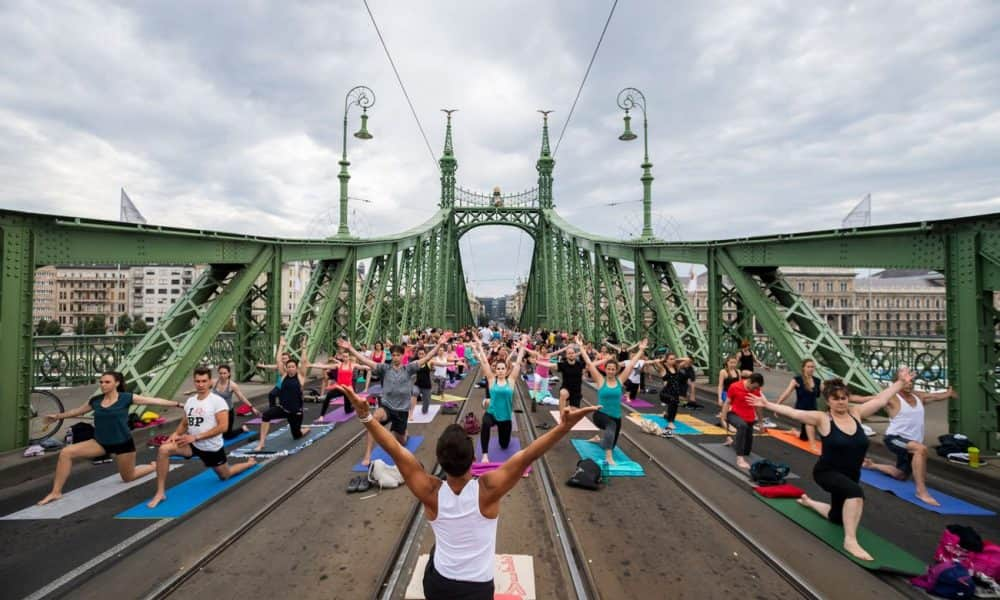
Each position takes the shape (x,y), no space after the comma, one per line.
(215,458)
(396,419)
(897,445)
(438,586)
(122,448)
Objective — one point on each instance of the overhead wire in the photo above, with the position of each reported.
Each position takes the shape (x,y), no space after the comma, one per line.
(585,75)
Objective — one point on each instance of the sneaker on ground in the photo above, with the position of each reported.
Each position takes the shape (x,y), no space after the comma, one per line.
(768,424)
(668,433)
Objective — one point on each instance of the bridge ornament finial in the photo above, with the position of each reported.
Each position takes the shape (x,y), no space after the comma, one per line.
(545,165)
(448,164)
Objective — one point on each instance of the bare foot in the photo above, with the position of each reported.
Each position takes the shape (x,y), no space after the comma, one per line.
(608,459)
(814,447)
(728,442)
(486,458)
(305,431)
(156,500)
(803,500)
(742,463)
(855,550)
(927,499)
(259,447)
(367,461)
(867,463)
(50,498)
(252,461)
(595,439)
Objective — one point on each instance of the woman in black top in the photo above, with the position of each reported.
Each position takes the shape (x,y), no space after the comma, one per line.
(806,388)
(838,469)
(671,371)
(748,360)
(422,384)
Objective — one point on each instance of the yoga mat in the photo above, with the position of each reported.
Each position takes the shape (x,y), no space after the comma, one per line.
(680,428)
(728,455)
(420,417)
(583,424)
(888,556)
(227,443)
(513,578)
(283,445)
(257,421)
(336,415)
(481,468)
(187,496)
(80,498)
(450,385)
(637,403)
(623,467)
(906,490)
(375,389)
(411,444)
(702,426)
(447,398)
(498,454)
(792,438)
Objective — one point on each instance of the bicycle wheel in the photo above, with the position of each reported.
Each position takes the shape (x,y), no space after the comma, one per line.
(43,402)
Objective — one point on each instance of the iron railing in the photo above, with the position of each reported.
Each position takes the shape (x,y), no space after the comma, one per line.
(468,199)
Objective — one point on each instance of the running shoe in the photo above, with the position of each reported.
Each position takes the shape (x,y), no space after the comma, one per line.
(667,433)
(101,460)
(768,424)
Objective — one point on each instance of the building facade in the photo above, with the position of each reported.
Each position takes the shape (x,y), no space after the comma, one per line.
(156,288)
(84,293)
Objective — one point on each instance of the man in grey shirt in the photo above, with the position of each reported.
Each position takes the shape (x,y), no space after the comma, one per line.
(397,388)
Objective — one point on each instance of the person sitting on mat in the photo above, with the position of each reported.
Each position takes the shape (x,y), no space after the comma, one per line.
(738,412)
(290,405)
(609,417)
(394,405)
(499,406)
(200,434)
(111,432)
(905,437)
(463,512)
(844,442)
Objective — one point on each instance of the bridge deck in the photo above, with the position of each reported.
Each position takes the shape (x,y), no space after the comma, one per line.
(638,537)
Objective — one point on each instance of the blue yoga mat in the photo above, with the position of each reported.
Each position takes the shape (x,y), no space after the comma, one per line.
(187,496)
(905,490)
(623,467)
(411,444)
(227,443)
(679,428)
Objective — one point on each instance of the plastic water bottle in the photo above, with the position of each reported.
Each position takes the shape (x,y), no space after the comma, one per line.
(974,457)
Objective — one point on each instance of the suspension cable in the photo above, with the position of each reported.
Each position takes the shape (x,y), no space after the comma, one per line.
(585,75)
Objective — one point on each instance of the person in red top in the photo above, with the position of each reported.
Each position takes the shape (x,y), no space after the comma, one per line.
(742,415)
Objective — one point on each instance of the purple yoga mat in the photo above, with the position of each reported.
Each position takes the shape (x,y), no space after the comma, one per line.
(335,416)
(450,385)
(481,468)
(637,403)
(498,454)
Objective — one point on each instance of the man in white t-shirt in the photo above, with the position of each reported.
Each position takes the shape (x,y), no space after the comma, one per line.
(199,434)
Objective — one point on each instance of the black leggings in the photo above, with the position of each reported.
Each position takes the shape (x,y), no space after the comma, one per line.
(439,587)
(272,396)
(743,442)
(330,395)
(503,432)
(632,389)
(672,404)
(842,488)
(604,423)
(294,419)
(233,431)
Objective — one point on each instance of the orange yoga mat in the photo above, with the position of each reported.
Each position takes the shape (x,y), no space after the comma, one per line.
(792,437)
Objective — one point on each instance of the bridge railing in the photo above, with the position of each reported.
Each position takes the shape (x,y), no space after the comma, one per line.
(66,360)
(468,199)
(927,357)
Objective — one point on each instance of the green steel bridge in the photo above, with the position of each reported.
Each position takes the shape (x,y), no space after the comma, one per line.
(415,278)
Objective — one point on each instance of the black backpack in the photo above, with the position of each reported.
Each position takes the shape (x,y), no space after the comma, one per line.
(765,472)
(587,475)
(82,432)
(951,443)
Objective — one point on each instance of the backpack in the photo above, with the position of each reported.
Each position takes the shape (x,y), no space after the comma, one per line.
(82,432)
(449,408)
(587,475)
(951,443)
(386,476)
(650,427)
(947,580)
(765,472)
(471,423)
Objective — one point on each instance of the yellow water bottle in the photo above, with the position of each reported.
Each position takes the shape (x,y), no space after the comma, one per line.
(974,457)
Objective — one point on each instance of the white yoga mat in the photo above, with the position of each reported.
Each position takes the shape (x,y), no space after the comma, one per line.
(80,498)
(420,417)
(513,576)
(584,424)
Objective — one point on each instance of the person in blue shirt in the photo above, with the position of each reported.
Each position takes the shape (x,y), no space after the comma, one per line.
(111,432)
(609,395)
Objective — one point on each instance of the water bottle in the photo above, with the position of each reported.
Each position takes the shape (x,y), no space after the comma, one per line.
(974,457)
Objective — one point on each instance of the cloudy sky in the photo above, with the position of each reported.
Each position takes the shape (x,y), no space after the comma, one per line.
(764,116)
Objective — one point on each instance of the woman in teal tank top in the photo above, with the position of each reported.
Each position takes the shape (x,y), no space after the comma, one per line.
(609,396)
(500,405)
(111,432)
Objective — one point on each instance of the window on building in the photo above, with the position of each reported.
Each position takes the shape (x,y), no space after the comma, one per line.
(907,303)
(829,286)
(937,303)
(162,290)
(829,302)
(801,286)
(175,282)
(843,286)
(843,303)
(175,292)
(897,303)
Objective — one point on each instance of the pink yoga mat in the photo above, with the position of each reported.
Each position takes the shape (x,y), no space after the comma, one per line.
(336,416)
(637,403)
(498,454)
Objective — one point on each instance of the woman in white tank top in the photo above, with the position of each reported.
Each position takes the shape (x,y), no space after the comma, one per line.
(462,511)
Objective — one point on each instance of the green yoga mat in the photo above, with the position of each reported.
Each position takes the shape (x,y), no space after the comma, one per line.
(888,556)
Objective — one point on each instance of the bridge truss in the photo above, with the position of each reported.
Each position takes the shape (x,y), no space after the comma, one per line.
(578,281)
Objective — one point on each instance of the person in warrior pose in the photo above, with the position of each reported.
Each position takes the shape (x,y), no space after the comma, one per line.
(500,405)
(609,396)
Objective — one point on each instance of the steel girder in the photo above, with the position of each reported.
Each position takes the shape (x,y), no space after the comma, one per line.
(612,301)
(17,273)
(164,358)
(797,330)
(372,300)
(973,337)
(323,313)
(662,301)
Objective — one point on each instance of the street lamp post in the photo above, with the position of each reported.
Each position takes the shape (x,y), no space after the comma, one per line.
(363,97)
(628,99)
